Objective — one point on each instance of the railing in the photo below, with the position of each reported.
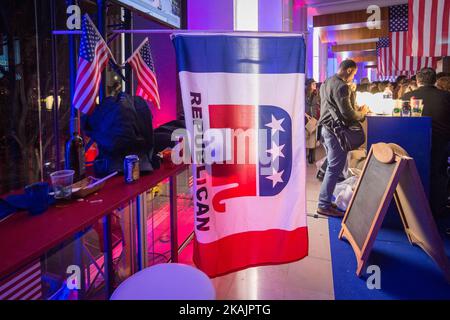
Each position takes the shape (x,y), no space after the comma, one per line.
(94,246)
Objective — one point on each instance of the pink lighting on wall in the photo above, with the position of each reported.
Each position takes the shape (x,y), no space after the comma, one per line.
(165,65)
(210,14)
(299,4)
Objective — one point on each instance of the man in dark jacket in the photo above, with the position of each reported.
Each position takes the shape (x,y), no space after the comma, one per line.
(436,104)
(335,93)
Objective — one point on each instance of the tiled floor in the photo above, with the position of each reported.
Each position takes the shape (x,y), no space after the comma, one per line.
(310,278)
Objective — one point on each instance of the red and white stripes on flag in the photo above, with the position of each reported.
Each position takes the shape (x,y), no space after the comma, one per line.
(384,58)
(429,26)
(94,55)
(23,285)
(402,63)
(393,53)
(142,63)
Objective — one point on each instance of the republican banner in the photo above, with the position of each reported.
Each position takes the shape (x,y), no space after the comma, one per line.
(243,98)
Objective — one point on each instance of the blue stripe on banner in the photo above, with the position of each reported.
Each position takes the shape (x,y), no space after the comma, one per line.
(240,54)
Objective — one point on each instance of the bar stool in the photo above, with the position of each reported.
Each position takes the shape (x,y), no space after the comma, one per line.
(167,281)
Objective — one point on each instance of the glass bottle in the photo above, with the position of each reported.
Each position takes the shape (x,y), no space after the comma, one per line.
(75,159)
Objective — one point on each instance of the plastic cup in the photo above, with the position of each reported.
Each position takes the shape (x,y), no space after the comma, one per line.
(416,107)
(62,183)
(397,109)
(37,197)
(406,108)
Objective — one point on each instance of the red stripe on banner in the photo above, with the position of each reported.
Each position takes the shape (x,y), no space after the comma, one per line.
(249,249)
(433,26)
(421,19)
(445,30)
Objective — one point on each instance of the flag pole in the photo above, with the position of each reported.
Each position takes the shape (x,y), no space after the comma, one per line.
(72,79)
(164,31)
(55,110)
(101,27)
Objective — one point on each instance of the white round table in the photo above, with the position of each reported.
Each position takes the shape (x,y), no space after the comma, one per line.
(168,281)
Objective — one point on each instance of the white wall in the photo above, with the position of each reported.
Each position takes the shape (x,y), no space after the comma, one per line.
(270,15)
(246,13)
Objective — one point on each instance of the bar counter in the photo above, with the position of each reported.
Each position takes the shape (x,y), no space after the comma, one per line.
(24,238)
(411,133)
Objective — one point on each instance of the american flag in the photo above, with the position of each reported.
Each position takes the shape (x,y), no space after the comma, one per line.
(429,24)
(393,53)
(142,63)
(94,55)
(384,58)
(402,61)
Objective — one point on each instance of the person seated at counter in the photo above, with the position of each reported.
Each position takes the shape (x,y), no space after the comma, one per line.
(436,104)
(335,94)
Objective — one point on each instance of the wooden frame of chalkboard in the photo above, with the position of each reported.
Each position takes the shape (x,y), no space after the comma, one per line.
(389,173)
(362,248)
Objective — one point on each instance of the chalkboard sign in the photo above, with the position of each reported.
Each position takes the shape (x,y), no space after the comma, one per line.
(369,197)
(390,174)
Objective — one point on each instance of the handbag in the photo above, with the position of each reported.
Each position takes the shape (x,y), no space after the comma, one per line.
(349,137)
(311,124)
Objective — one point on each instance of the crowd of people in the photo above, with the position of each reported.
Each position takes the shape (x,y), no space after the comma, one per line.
(339,92)
(402,85)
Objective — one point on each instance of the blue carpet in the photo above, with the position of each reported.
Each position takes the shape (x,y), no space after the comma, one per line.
(407,272)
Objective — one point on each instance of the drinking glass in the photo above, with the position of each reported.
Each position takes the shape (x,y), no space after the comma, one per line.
(416,107)
(62,183)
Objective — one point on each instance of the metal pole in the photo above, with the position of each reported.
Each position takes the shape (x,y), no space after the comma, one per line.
(173,218)
(180,31)
(39,102)
(101,26)
(55,86)
(108,254)
(137,207)
(128,51)
(141,220)
(79,261)
(72,74)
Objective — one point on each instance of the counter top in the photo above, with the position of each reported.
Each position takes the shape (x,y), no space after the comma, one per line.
(24,238)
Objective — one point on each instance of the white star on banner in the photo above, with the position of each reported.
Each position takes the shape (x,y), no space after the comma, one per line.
(275,177)
(275,125)
(276,151)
